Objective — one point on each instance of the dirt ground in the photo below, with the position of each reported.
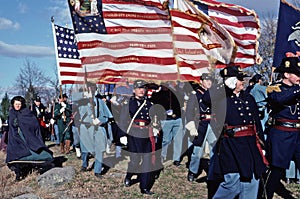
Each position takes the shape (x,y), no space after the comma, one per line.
(172,182)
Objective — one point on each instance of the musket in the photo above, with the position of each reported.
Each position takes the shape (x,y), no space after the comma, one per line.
(71,121)
(52,125)
(61,97)
(89,90)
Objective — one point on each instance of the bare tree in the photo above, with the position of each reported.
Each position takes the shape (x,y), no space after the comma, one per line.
(267,46)
(32,81)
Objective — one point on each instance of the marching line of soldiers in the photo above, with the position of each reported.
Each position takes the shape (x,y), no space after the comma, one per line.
(252,133)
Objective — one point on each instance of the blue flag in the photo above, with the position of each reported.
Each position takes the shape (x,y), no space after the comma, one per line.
(87,17)
(288,33)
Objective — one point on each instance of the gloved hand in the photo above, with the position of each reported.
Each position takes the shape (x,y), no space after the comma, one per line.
(87,95)
(231,82)
(52,121)
(63,104)
(123,140)
(62,109)
(155,132)
(191,127)
(96,121)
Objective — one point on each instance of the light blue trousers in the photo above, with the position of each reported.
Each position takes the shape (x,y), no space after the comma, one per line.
(232,186)
(172,130)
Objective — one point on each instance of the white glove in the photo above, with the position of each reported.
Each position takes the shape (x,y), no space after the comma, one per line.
(123,140)
(191,127)
(96,121)
(52,121)
(114,101)
(231,82)
(155,132)
(63,104)
(62,109)
(87,95)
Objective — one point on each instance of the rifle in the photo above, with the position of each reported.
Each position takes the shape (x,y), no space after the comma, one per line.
(69,124)
(89,90)
(61,97)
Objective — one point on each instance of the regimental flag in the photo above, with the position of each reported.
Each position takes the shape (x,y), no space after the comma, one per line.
(288,33)
(67,57)
(199,42)
(241,23)
(128,39)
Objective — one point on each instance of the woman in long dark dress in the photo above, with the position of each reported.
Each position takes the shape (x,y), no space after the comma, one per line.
(25,147)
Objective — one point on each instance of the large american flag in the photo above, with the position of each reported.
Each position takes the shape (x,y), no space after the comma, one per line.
(241,23)
(199,42)
(69,65)
(128,39)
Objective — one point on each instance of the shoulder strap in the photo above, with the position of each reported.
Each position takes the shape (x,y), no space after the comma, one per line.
(129,127)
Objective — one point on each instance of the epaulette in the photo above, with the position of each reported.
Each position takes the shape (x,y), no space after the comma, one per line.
(272,88)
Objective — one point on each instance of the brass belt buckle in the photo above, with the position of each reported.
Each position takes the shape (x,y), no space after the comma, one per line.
(297,125)
(142,124)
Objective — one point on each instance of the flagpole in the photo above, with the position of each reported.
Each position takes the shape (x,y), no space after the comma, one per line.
(56,52)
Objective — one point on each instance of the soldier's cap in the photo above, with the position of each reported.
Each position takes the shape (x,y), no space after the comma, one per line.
(206,76)
(233,71)
(37,99)
(289,65)
(139,84)
(63,96)
(256,78)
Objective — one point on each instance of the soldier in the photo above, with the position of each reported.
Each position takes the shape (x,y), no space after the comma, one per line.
(283,133)
(237,158)
(62,115)
(170,97)
(93,139)
(39,110)
(140,138)
(199,112)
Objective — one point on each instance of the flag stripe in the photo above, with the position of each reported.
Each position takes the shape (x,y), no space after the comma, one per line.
(68,63)
(133,45)
(241,23)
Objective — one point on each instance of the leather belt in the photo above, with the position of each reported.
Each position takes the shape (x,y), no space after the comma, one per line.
(295,125)
(239,131)
(141,123)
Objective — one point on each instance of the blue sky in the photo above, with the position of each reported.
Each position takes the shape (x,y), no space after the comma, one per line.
(26,33)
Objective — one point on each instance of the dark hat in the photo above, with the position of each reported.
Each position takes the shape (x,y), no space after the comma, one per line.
(206,76)
(139,84)
(63,96)
(37,99)
(256,78)
(233,71)
(289,65)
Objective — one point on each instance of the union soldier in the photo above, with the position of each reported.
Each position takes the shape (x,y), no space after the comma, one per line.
(237,158)
(93,119)
(199,112)
(39,110)
(283,133)
(62,115)
(138,136)
(170,98)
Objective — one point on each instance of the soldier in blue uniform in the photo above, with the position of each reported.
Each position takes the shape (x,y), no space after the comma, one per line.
(199,112)
(237,156)
(283,134)
(138,136)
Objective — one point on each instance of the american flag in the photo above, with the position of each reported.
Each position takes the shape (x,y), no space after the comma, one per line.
(241,23)
(197,39)
(68,63)
(128,39)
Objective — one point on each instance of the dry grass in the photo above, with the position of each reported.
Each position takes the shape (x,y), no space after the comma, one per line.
(172,183)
